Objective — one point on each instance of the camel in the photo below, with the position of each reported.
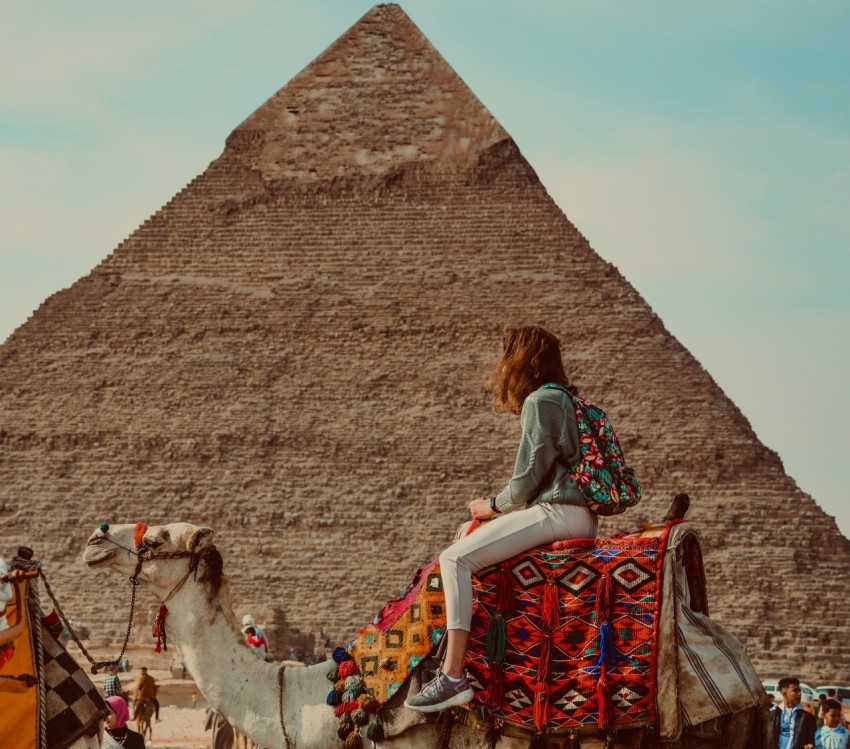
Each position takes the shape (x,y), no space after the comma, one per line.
(286,708)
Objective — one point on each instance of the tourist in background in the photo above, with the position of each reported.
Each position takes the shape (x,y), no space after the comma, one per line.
(832,735)
(790,726)
(248,621)
(118,734)
(257,643)
(146,689)
(111,684)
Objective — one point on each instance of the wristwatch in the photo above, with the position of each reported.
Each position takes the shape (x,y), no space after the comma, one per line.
(493,505)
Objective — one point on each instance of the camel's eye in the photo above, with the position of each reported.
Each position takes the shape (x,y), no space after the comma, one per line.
(153,543)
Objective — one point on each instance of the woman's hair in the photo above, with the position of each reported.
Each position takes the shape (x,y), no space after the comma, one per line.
(531,357)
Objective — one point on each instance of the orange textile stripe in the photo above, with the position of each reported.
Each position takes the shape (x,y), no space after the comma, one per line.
(19,712)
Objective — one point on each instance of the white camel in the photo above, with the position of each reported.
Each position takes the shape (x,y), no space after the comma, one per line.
(240,686)
(8,634)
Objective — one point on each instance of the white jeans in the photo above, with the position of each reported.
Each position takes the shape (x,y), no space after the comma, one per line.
(500,539)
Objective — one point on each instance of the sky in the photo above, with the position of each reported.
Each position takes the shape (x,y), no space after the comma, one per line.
(704,149)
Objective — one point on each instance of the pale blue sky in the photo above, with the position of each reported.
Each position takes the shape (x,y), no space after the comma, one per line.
(702,148)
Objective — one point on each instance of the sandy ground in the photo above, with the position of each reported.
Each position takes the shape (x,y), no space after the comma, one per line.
(181,726)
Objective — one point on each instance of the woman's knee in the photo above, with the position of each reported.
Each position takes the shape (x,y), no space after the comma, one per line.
(448,558)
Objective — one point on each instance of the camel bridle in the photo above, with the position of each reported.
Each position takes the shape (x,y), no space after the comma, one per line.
(143,554)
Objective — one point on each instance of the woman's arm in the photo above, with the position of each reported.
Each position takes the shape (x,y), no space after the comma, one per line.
(542,421)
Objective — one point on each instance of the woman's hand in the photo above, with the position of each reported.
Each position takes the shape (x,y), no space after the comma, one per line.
(480,508)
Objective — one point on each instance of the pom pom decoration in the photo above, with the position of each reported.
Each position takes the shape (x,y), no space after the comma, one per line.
(340,655)
(340,685)
(368,702)
(346,668)
(375,731)
(104,527)
(342,731)
(354,684)
(353,741)
(333,698)
(360,716)
(139,533)
(333,674)
(339,710)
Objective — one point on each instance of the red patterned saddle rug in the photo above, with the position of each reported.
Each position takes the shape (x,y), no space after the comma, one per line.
(563,637)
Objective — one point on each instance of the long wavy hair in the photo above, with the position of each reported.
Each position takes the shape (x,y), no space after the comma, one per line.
(531,357)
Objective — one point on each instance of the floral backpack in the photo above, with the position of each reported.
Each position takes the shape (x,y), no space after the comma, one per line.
(608,485)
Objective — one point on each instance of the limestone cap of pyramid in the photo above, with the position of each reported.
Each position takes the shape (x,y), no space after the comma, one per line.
(380,97)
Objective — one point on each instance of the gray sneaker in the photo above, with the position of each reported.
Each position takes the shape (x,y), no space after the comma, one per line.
(440,693)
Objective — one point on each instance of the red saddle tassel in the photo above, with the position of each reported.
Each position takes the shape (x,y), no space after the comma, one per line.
(504,593)
(603,700)
(496,687)
(541,705)
(549,615)
(545,657)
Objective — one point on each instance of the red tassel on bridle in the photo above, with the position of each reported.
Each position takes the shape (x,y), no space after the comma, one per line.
(159,630)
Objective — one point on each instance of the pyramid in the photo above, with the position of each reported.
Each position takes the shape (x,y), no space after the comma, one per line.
(292,351)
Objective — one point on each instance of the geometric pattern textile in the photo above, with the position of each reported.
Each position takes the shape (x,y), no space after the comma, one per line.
(562,630)
(388,650)
(557,632)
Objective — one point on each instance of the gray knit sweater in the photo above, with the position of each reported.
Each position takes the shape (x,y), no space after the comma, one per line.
(548,445)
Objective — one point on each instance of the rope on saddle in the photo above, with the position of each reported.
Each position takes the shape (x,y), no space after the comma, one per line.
(30,608)
(288,743)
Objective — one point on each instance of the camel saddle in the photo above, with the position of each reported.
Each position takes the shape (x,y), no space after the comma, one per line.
(564,638)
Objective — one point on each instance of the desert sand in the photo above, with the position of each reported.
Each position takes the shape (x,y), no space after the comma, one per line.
(181,726)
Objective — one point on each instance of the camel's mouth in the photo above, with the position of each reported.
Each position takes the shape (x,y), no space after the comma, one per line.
(96,552)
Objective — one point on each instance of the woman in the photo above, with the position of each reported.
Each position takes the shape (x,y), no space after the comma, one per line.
(118,733)
(540,504)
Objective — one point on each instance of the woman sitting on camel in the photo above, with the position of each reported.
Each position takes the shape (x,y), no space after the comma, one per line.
(541,503)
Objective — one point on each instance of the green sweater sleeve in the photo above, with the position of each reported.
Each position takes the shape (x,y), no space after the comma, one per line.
(542,421)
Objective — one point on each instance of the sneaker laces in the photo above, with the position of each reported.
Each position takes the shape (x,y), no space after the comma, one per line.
(433,687)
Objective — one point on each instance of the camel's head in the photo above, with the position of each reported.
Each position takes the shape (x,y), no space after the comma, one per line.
(165,552)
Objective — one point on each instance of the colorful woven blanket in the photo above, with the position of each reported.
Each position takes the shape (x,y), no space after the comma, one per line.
(563,636)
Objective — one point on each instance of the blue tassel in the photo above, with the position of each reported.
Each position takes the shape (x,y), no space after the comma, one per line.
(340,655)
(333,697)
(607,649)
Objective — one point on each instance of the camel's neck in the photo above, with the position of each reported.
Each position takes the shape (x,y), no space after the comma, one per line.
(231,677)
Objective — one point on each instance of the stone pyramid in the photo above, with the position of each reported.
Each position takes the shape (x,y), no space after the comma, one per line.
(292,351)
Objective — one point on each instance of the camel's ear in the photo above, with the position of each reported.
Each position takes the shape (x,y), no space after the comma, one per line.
(199,539)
